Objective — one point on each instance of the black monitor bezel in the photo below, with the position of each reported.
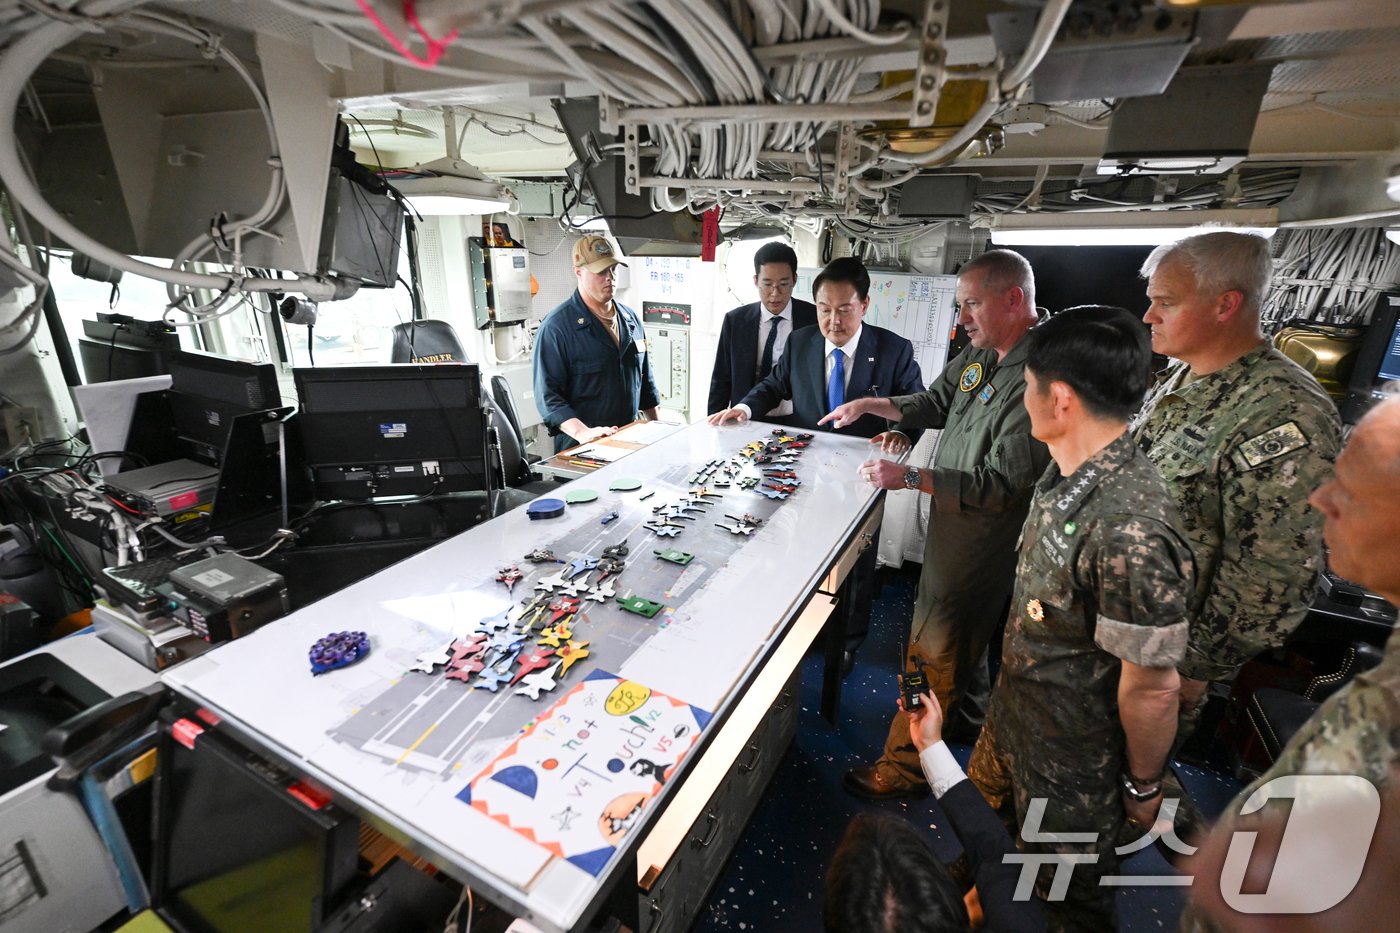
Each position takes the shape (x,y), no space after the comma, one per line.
(338,438)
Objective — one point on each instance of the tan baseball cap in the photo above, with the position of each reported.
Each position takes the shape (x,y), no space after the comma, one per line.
(595,254)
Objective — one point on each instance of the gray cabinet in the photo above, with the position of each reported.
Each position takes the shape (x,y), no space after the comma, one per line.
(673,899)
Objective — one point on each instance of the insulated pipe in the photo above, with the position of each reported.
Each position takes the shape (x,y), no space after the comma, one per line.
(18,64)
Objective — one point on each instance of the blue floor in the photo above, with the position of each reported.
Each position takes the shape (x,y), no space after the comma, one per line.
(774,880)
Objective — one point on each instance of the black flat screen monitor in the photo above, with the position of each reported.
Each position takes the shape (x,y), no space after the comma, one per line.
(208,391)
(119,347)
(402,430)
(241,845)
(1378,361)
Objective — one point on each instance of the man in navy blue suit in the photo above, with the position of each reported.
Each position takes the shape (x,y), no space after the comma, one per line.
(841,358)
(753,337)
(869,361)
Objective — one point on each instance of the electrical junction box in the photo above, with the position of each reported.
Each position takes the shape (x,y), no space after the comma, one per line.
(224,597)
(667,326)
(938,197)
(500,278)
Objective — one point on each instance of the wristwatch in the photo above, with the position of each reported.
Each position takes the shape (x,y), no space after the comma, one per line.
(912,478)
(1141,796)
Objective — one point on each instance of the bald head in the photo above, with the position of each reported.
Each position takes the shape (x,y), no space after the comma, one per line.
(1361,504)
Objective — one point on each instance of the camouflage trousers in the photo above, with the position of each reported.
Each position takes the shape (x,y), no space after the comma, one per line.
(1075,801)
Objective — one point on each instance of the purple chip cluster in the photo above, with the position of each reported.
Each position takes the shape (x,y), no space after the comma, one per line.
(337,650)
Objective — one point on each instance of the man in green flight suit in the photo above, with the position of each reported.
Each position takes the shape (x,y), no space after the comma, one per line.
(1084,712)
(980,482)
(1241,434)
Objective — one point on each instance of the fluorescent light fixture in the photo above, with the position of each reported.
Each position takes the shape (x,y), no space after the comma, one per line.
(454,187)
(1125,228)
(1170,165)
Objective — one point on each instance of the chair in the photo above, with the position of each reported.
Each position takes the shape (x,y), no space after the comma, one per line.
(516,462)
(429,341)
(1275,715)
(510,441)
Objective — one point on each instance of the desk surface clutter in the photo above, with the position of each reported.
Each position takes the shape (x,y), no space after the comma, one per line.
(534,688)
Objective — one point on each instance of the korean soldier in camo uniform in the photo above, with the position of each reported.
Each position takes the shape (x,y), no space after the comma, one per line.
(1241,434)
(1357,730)
(1084,713)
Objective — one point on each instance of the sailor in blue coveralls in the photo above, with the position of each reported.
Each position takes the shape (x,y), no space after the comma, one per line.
(592,370)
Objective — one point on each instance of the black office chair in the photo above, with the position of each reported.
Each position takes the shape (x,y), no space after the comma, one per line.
(429,341)
(1275,715)
(517,462)
(509,441)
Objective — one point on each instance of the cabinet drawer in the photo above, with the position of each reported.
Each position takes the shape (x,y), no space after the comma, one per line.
(867,536)
(681,889)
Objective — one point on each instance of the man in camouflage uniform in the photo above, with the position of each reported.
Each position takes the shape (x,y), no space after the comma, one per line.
(979,486)
(1084,712)
(1241,434)
(1356,730)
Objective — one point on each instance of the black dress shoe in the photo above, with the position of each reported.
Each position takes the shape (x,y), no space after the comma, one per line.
(867,782)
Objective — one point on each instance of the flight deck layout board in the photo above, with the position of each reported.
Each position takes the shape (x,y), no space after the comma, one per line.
(411,748)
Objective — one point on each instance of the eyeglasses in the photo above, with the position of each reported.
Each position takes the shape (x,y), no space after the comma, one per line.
(784,286)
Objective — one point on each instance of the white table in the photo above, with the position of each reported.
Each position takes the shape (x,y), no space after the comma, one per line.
(399,754)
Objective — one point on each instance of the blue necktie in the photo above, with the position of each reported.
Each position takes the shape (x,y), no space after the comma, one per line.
(765,366)
(836,385)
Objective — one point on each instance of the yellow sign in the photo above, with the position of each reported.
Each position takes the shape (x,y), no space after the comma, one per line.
(626,697)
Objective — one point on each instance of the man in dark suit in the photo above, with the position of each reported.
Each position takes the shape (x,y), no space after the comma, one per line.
(884,878)
(841,358)
(753,337)
(870,360)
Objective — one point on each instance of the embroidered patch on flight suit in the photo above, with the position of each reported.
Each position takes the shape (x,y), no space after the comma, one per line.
(986,394)
(1272,444)
(971,377)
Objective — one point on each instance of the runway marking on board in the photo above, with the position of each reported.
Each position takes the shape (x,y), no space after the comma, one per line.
(421,739)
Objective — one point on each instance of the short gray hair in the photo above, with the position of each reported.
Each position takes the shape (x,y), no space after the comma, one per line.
(1221,261)
(1001,269)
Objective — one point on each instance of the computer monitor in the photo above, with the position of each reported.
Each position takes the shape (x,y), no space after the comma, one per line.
(116,346)
(400,430)
(1378,360)
(240,843)
(207,392)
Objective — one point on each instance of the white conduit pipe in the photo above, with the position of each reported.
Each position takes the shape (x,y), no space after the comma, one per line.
(17,66)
